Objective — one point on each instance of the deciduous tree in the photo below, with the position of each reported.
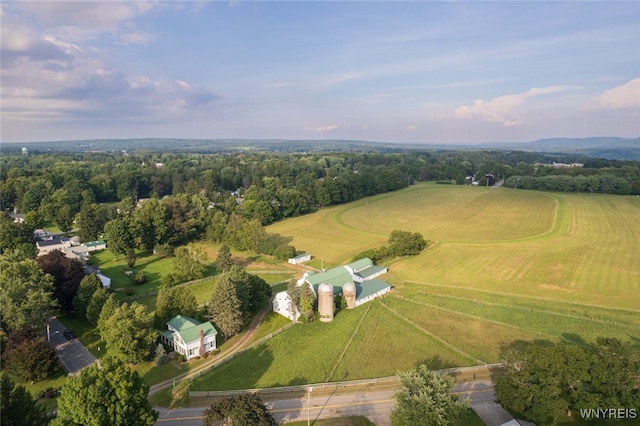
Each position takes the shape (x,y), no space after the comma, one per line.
(307,304)
(67,274)
(403,243)
(190,262)
(27,356)
(110,394)
(425,398)
(172,301)
(245,409)
(120,235)
(26,295)
(128,333)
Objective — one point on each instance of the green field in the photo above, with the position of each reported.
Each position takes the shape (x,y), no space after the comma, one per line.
(508,265)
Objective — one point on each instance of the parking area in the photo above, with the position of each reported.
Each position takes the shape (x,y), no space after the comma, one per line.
(73,355)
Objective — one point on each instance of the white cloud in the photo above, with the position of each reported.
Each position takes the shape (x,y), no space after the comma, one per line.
(138,37)
(505,109)
(624,96)
(94,15)
(411,127)
(321,129)
(278,85)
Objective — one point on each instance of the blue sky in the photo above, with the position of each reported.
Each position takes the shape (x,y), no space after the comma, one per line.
(417,71)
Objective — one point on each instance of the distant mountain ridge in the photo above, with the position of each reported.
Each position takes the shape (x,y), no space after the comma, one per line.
(612,148)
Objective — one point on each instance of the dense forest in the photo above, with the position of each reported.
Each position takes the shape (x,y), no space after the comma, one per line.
(172,198)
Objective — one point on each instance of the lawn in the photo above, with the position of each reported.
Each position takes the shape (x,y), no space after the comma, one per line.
(303,354)
(153,267)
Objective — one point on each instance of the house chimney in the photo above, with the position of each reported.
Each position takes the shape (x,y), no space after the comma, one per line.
(201,350)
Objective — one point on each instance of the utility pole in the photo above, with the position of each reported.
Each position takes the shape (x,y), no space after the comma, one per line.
(309,405)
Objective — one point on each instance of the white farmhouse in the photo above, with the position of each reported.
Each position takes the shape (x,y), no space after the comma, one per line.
(190,337)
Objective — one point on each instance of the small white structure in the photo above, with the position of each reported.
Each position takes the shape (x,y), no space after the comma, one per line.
(106,281)
(301,258)
(190,337)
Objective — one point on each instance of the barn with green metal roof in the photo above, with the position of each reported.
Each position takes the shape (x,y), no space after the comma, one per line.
(361,273)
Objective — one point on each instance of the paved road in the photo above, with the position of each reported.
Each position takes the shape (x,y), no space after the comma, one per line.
(374,405)
(73,355)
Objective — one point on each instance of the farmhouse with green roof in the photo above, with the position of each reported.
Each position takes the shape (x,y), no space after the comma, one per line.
(190,337)
(360,274)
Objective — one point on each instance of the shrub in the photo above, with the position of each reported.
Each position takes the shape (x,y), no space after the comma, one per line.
(163,250)
(128,291)
(284,252)
(139,278)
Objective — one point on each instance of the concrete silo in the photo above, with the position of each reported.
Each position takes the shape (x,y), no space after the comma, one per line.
(325,302)
(349,292)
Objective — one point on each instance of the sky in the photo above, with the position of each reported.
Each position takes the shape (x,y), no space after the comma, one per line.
(388,71)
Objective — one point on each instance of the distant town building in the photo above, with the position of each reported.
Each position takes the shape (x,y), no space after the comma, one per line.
(559,165)
(25,151)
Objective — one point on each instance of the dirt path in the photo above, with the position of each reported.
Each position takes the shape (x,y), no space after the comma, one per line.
(239,344)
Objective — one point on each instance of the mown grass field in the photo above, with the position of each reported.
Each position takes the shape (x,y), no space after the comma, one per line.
(508,265)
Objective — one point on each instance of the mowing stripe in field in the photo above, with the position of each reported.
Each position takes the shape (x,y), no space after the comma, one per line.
(476,317)
(531,309)
(428,333)
(346,347)
(524,296)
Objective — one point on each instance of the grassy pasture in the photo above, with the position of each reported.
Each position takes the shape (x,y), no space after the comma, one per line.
(508,265)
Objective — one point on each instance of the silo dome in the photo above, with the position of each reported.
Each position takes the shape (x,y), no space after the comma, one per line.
(349,292)
(325,302)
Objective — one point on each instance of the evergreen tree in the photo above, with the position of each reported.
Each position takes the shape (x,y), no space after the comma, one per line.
(224,262)
(160,357)
(88,286)
(88,222)
(109,307)
(225,306)
(94,307)
(18,407)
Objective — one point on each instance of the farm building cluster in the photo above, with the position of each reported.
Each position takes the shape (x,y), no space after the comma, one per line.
(357,281)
